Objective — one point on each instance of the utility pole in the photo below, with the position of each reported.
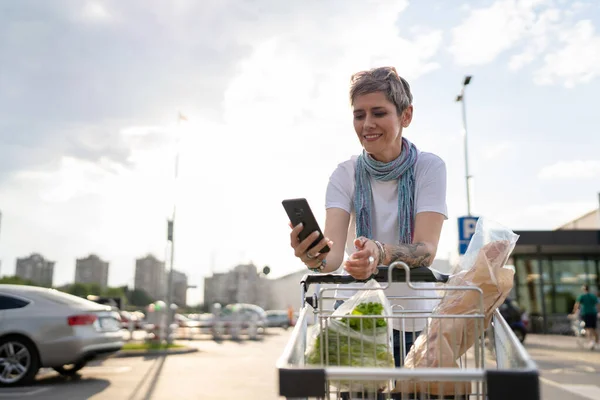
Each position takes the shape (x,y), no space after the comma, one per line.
(170,237)
(461,98)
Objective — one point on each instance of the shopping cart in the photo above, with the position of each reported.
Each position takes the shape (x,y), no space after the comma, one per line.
(496,367)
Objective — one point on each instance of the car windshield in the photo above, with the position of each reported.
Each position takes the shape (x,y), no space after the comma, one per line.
(244,309)
(276,313)
(227,310)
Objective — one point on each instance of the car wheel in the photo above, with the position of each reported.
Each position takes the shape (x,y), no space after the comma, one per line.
(19,361)
(70,369)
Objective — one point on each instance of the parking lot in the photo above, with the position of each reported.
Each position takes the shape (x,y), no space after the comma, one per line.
(246,369)
(219,370)
(93,380)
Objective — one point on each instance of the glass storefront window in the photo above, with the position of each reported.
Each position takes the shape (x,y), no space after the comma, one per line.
(593,270)
(530,298)
(528,271)
(565,298)
(552,284)
(570,272)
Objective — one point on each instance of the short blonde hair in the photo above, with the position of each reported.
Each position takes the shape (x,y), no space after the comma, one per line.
(382,79)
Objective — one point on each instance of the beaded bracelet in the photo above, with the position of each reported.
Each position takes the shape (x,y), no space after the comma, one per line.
(381,252)
(320,267)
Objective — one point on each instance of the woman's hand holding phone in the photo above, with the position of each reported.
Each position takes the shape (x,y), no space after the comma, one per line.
(312,258)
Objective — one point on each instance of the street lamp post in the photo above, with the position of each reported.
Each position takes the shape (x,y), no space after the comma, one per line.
(170,237)
(461,98)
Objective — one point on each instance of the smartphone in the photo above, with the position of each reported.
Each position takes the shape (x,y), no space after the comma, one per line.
(299,211)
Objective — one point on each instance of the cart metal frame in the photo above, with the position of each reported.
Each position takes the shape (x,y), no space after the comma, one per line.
(514,376)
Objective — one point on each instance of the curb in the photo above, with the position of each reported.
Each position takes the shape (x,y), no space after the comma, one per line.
(151,353)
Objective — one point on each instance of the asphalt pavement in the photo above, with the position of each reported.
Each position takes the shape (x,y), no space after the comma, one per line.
(566,370)
(246,370)
(219,370)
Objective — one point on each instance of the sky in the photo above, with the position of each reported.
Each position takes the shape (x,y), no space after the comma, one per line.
(90,93)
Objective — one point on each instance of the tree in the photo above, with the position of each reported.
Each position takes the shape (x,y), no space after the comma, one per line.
(114,292)
(15,280)
(83,289)
(78,289)
(138,297)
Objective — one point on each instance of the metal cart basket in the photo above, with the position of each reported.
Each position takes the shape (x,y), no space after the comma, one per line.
(496,367)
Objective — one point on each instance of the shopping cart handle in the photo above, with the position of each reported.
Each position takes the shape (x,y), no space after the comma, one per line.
(419,274)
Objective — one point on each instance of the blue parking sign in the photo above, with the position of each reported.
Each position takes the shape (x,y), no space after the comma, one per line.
(466,229)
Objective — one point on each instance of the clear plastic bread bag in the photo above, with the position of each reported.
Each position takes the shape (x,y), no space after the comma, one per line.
(445,340)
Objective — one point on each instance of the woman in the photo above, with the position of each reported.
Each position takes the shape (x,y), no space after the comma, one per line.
(387,204)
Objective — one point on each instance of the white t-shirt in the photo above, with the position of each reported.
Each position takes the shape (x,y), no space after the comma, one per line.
(430,195)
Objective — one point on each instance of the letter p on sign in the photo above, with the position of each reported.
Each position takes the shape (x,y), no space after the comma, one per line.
(466,229)
(469,227)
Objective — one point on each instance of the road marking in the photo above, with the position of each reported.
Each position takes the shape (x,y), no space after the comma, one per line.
(542,355)
(580,369)
(14,394)
(591,392)
(586,357)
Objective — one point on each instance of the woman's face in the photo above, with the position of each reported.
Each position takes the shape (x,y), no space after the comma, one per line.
(378,125)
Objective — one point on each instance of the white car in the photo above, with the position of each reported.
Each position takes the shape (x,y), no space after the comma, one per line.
(42,327)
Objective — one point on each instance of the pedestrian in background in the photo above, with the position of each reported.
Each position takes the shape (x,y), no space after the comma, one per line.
(290,313)
(587,306)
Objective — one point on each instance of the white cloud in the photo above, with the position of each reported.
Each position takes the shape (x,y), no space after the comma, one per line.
(73,178)
(489,31)
(545,25)
(95,11)
(290,77)
(578,169)
(576,62)
(497,151)
(534,31)
(546,216)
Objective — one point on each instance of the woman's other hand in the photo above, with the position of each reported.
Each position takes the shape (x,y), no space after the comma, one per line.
(311,258)
(362,264)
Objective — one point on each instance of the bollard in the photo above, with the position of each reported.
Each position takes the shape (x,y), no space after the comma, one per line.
(131,327)
(253,328)
(235,330)
(217,330)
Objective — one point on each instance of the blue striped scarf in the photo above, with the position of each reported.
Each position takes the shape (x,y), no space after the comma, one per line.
(402,169)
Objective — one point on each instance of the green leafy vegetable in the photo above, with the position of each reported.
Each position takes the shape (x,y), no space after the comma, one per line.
(348,351)
(364,347)
(367,323)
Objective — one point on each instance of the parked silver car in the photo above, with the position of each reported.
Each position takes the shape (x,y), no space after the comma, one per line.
(242,314)
(42,327)
(278,319)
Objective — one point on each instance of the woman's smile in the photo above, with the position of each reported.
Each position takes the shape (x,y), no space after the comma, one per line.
(371,137)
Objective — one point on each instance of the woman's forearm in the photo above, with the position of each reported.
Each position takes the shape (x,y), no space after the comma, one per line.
(419,254)
(333,262)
